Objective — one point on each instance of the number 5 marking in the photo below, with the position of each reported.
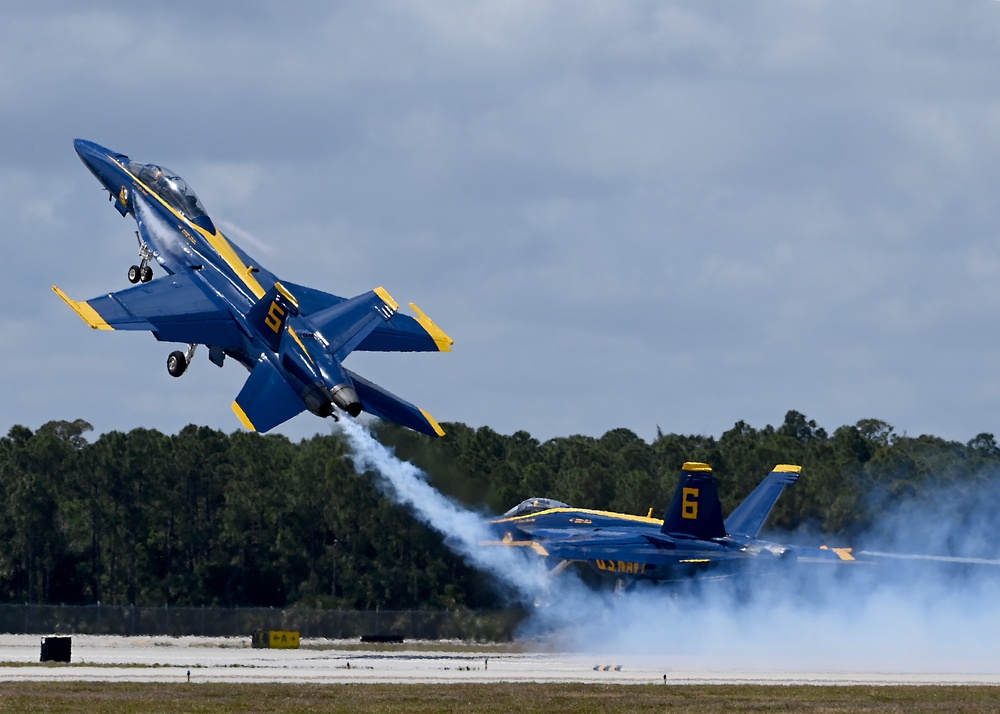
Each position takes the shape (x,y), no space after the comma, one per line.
(274,315)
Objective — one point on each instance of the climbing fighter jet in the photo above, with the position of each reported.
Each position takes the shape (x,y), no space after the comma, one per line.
(293,339)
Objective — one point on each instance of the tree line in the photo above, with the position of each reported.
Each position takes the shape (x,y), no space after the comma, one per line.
(209,518)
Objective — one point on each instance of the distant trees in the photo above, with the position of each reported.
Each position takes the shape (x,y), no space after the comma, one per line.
(209,518)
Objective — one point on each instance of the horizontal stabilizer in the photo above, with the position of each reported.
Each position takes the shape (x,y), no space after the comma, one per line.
(388,407)
(748,518)
(403,333)
(344,325)
(266,400)
(174,308)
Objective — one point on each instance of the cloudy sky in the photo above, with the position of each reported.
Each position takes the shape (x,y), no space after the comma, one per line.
(627,214)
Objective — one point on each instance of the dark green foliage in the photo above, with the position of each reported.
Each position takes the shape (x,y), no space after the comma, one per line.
(209,518)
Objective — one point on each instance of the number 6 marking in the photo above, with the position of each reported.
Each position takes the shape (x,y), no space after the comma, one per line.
(689,504)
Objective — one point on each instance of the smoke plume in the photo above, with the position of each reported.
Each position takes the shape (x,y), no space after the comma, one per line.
(897,615)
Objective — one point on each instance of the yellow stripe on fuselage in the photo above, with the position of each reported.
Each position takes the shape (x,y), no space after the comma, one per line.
(608,514)
(84,310)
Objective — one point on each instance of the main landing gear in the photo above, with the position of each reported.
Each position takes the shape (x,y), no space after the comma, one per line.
(177,361)
(142,273)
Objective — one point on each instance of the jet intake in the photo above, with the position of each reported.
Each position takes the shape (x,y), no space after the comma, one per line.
(344,396)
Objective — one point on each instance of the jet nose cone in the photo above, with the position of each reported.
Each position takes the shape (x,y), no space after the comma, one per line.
(93,156)
(101,162)
(87,149)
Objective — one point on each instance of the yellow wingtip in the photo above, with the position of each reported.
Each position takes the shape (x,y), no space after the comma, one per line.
(242,416)
(439,336)
(433,422)
(85,311)
(788,468)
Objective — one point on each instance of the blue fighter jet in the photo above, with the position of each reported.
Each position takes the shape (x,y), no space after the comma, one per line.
(692,538)
(291,338)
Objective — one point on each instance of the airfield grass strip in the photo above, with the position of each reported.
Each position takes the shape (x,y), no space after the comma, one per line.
(122,698)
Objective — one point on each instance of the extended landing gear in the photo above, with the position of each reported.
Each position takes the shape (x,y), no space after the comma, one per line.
(177,361)
(142,273)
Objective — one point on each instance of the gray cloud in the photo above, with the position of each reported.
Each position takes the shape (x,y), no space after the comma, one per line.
(669,213)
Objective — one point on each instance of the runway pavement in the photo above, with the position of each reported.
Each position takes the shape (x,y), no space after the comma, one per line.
(165,659)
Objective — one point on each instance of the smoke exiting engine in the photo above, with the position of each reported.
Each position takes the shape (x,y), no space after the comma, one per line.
(405,484)
(891,617)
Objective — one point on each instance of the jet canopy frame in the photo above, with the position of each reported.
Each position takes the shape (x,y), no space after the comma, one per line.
(174,190)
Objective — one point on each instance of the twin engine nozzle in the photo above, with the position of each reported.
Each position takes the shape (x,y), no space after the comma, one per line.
(344,396)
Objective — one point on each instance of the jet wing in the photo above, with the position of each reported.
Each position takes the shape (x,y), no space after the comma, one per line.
(174,308)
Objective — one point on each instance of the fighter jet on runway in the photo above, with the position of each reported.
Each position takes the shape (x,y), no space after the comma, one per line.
(291,338)
(690,539)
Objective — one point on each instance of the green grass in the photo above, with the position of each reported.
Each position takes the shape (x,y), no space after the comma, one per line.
(101,697)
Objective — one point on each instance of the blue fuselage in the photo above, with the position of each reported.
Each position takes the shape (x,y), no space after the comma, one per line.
(618,544)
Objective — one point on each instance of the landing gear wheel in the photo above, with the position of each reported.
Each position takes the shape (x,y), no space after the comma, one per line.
(176,363)
(134,274)
(145,274)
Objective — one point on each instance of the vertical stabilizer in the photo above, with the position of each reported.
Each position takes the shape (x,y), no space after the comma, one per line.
(748,517)
(270,315)
(695,511)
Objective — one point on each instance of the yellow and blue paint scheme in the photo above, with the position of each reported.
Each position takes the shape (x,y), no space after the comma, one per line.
(293,339)
(692,537)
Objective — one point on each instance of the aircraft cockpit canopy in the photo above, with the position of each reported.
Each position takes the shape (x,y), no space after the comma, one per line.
(174,190)
(534,505)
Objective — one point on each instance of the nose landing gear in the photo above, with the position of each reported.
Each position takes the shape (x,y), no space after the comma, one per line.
(142,273)
(177,361)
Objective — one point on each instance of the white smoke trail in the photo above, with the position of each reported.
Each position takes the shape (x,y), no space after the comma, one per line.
(833,618)
(465,530)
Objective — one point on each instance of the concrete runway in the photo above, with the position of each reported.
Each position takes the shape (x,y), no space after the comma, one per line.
(165,659)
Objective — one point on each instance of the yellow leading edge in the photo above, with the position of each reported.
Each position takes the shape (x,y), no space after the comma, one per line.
(433,422)
(441,339)
(241,415)
(84,310)
(386,298)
